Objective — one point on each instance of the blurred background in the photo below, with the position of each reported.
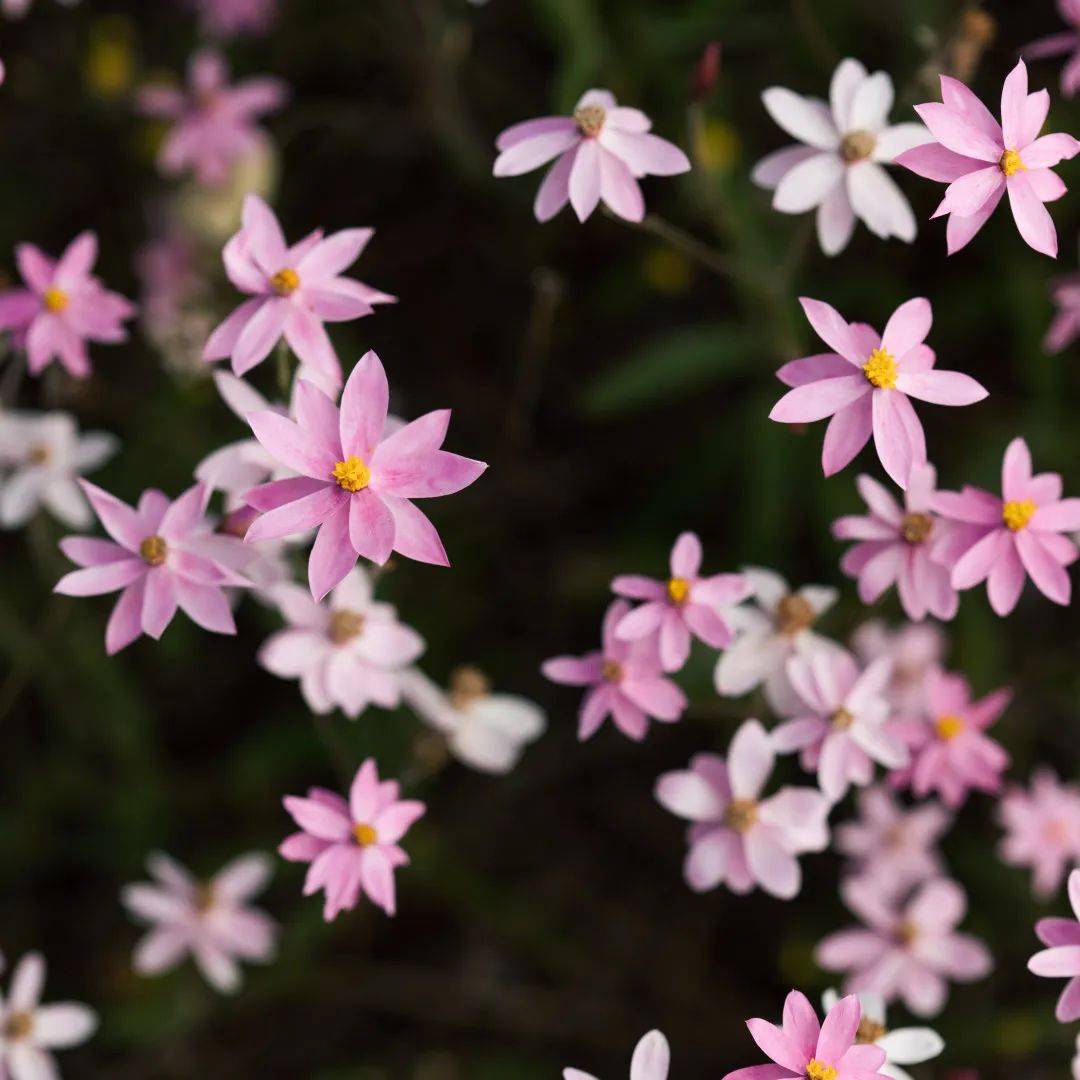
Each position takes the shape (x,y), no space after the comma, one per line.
(619,389)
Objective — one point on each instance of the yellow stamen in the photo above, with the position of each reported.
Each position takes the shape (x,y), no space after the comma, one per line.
(468,684)
(590,119)
(1011,162)
(285,282)
(352,474)
(39,455)
(153,550)
(881,369)
(915,528)
(365,835)
(949,726)
(611,670)
(816,1070)
(344,626)
(793,614)
(55,300)
(842,719)
(906,933)
(1016,515)
(869,1031)
(741,814)
(857,146)
(678,589)
(18,1025)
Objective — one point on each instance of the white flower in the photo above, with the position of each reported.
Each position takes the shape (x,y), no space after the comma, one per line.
(838,166)
(651,1060)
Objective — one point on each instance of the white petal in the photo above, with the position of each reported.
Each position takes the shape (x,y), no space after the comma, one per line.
(835,221)
(806,119)
(846,80)
(879,202)
(911,1046)
(871,104)
(808,184)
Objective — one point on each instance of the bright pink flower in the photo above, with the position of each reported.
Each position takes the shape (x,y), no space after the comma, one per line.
(625,680)
(1067,41)
(165,556)
(840,727)
(651,1060)
(1042,830)
(980,160)
(602,151)
(352,846)
(62,307)
(914,648)
(803,1047)
(907,951)
(213,123)
(1020,534)
(874,398)
(228,18)
(1061,958)
(738,838)
(356,482)
(212,921)
(682,606)
(294,291)
(1064,329)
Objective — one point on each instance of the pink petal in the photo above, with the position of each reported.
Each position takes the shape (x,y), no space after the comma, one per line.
(528,129)
(941,387)
(838,1029)
(1014,94)
(205,605)
(264,235)
(971,192)
(120,521)
(777,1045)
(530,153)
(830,326)
(584,180)
(554,191)
(307,337)
(962,230)
(891,435)
(934,162)
(1046,152)
(813,369)
(814,401)
(1061,516)
(105,578)
(364,404)
(1016,470)
(415,536)
(618,187)
(330,257)
(292,446)
(371,526)
(957,133)
(848,432)
(318,819)
(222,342)
(159,601)
(1006,581)
(332,555)
(262,332)
(125,622)
(1048,574)
(1031,217)
(907,327)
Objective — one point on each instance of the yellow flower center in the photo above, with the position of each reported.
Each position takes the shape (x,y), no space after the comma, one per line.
(352,474)
(18,1025)
(915,528)
(857,146)
(365,835)
(39,455)
(881,369)
(1016,515)
(949,726)
(611,670)
(678,589)
(153,550)
(590,119)
(741,814)
(344,626)
(1011,162)
(869,1031)
(285,282)
(468,684)
(55,300)
(793,614)
(906,933)
(816,1070)
(842,719)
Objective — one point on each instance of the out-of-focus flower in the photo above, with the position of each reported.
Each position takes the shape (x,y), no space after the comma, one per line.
(602,151)
(707,72)
(865,384)
(46,453)
(16,9)
(1018,535)
(110,64)
(625,680)
(164,557)
(351,846)
(915,650)
(294,291)
(684,605)
(212,920)
(62,307)
(738,838)
(349,652)
(356,482)
(717,145)
(486,731)
(1066,41)
(837,166)
(1061,958)
(1042,830)
(213,123)
(908,951)
(229,18)
(980,160)
(1065,326)
(172,299)
(651,1060)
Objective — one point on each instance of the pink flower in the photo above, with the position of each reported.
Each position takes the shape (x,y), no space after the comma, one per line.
(625,680)
(874,398)
(351,846)
(1020,534)
(63,307)
(1061,958)
(212,921)
(652,1057)
(907,951)
(349,652)
(980,160)
(683,606)
(164,557)
(1067,41)
(738,838)
(840,727)
(213,123)
(1064,329)
(228,18)
(803,1047)
(294,291)
(602,151)
(893,546)
(914,648)
(356,482)
(1042,829)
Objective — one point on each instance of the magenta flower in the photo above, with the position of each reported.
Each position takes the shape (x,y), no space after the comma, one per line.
(625,679)
(164,557)
(1061,958)
(910,952)
(1019,535)
(602,151)
(738,838)
(1067,41)
(212,920)
(1064,329)
(875,397)
(356,482)
(352,846)
(915,650)
(62,307)
(804,1048)
(651,1060)
(683,606)
(1042,830)
(228,18)
(980,160)
(294,291)
(213,123)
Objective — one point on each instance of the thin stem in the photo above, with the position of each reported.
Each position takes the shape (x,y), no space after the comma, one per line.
(693,248)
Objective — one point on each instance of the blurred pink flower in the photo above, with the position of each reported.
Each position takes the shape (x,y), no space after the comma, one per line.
(1061,958)
(652,1057)
(914,648)
(738,838)
(908,951)
(16,9)
(602,151)
(625,680)
(682,606)
(1066,41)
(866,384)
(211,920)
(228,18)
(352,846)
(1065,326)
(980,160)
(62,307)
(1042,829)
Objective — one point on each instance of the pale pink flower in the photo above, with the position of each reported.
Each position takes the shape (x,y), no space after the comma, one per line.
(1018,535)
(1042,830)
(837,166)
(682,606)
(1066,41)
(980,160)
(164,557)
(865,384)
(914,648)
(738,838)
(170,280)
(229,18)
(651,1060)
(908,952)
(352,846)
(1064,329)
(212,921)
(625,680)
(62,307)
(1061,958)
(802,1047)
(602,151)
